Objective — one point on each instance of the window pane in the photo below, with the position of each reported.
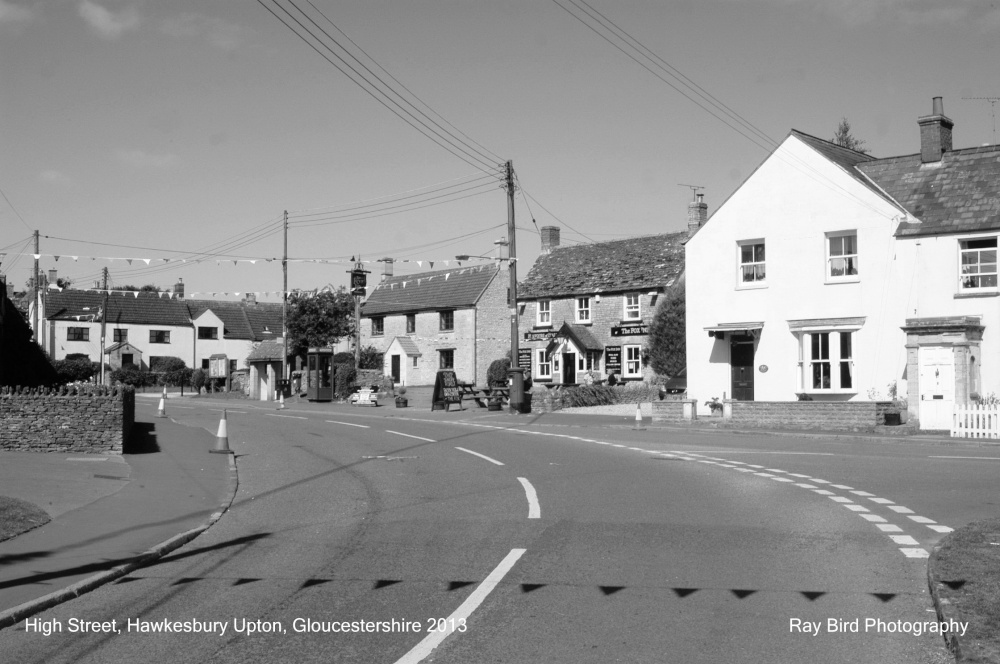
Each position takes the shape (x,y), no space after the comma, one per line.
(850,244)
(836,246)
(846,351)
(758,250)
(746,253)
(846,381)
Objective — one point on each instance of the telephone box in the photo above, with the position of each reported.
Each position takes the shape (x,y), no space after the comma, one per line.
(319,378)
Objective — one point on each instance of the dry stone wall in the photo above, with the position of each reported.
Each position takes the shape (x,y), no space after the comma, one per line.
(81,420)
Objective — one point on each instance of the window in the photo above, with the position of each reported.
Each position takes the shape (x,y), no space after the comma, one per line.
(589,361)
(978,263)
(78,334)
(128,359)
(232,366)
(411,323)
(204,363)
(829,364)
(633,362)
(842,256)
(378,326)
(160,337)
(447,359)
(119,335)
(544,363)
(414,361)
(208,333)
(544,317)
(632,308)
(447,321)
(583,310)
(752,262)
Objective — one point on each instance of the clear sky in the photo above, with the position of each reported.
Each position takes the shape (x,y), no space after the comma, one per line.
(182,128)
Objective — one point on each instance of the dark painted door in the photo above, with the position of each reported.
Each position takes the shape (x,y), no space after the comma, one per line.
(569,368)
(741,361)
(395,369)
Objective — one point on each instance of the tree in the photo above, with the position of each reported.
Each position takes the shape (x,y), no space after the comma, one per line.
(148,288)
(846,139)
(320,319)
(667,347)
(370,358)
(172,370)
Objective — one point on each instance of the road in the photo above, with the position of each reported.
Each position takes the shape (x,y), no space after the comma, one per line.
(523,541)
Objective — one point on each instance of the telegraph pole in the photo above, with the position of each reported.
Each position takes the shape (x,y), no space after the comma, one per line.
(104,318)
(34,282)
(516,371)
(284,303)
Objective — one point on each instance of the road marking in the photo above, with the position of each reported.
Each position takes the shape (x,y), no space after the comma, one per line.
(428,440)
(854,507)
(881,501)
(841,499)
(863,494)
(965,457)
(915,553)
(899,509)
(534,509)
(874,518)
(462,613)
(763,474)
(888,528)
(782,479)
(806,486)
(818,481)
(360,426)
(842,487)
(904,539)
(922,519)
(481,456)
(823,492)
(294,417)
(940,529)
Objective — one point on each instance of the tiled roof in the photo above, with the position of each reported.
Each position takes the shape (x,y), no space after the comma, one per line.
(581,336)
(242,320)
(267,351)
(121,344)
(960,194)
(445,289)
(653,261)
(123,307)
(408,345)
(265,320)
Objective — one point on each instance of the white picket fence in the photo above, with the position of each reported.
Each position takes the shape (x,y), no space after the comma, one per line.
(975,421)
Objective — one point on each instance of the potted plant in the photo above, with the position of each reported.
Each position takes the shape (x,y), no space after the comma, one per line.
(401,397)
(494,403)
(715,405)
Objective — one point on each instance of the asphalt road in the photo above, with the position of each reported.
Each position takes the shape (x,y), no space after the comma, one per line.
(528,543)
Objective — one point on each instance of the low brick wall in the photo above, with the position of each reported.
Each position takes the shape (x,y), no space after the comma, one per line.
(672,410)
(808,414)
(86,420)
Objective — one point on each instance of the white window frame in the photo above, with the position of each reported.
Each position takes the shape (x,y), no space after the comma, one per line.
(544,358)
(838,360)
(850,258)
(589,360)
(543,313)
(632,306)
(632,362)
(378,326)
(965,280)
(583,310)
(741,282)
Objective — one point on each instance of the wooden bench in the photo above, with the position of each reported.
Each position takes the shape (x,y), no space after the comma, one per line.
(469,392)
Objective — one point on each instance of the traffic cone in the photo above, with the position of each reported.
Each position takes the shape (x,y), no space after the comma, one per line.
(282,399)
(222,438)
(162,410)
(638,419)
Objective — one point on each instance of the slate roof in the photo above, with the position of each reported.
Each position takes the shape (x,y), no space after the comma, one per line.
(241,321)
(267,351)
(581,336)
(409,346)
(445,289)
(123,308)
(638,263)
(959,194)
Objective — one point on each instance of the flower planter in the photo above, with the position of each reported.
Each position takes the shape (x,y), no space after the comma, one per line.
(494,405)
(401,403)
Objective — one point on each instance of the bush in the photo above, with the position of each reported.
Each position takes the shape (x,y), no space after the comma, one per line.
(78,369)
(343,384)
(370,358)
(607,395)
(497,373)
(198,378)
(171,370)
(129,374)
(343,358)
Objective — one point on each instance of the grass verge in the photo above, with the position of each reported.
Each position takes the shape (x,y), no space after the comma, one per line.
(18,516)
(966,569)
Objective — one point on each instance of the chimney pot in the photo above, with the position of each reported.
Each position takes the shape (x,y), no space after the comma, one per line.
(179,287)
(697,214)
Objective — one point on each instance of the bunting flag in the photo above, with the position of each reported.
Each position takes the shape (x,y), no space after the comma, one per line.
(253,261)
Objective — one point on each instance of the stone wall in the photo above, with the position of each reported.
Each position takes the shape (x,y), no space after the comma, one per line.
(88,419)
(807,414)
(674,410)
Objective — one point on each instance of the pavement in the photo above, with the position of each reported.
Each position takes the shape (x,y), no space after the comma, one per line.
(113,514)
(110,514)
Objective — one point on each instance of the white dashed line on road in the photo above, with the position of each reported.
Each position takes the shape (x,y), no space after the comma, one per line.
(350,424)
(481,456)
(426,440)
(534,509)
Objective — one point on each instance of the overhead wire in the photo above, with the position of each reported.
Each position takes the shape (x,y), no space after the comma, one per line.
(456,146)
(16,213)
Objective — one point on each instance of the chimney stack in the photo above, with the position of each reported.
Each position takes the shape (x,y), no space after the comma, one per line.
(386,268)
(697,214)
(250,298)
(53,276)
(935,133)
(179,287)
(550,238)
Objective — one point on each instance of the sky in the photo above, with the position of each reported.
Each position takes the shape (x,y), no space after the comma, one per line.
(178,132)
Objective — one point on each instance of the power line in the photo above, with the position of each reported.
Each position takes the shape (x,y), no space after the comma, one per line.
(18,214)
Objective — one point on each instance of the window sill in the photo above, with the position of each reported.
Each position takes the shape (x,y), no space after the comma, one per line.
(831,281)
(972,294)
(756,285)
(823,392)
(542,326)
(584,322)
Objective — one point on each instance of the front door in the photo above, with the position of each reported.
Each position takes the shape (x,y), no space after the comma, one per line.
(741,361)
(936,365)
(569,368)
(395,369)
